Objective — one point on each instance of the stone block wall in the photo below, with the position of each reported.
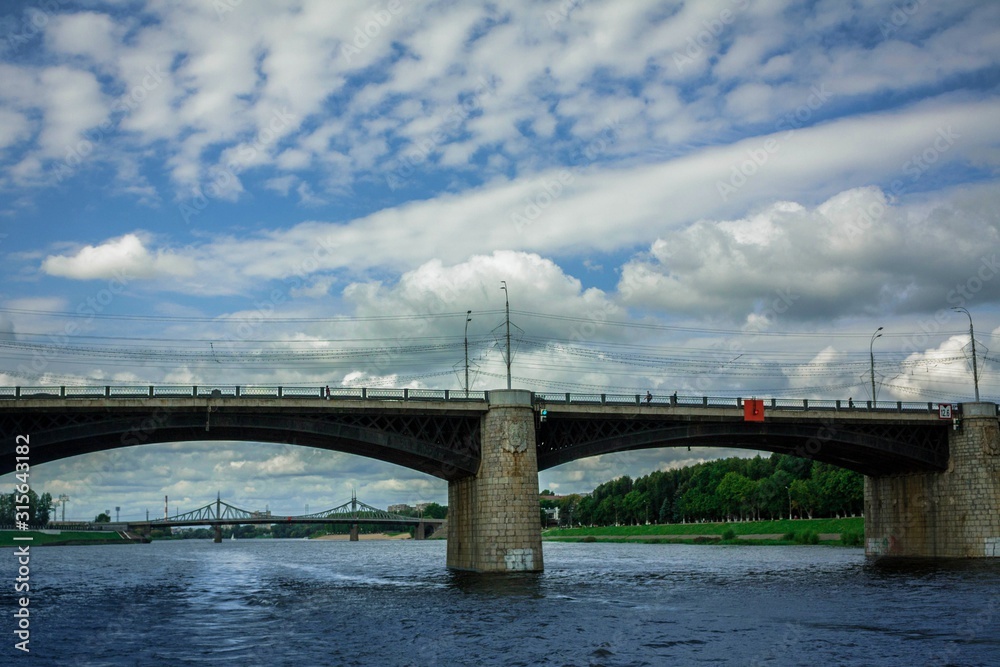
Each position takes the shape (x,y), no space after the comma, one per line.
(493,518)
(951,514)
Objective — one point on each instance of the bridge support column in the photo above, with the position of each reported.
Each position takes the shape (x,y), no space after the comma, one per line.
(354,532)
(493,517)
(951,514)
(418,532)
(218,533)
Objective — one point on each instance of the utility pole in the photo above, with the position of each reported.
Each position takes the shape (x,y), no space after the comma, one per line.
(972,337)
(468,318)
(506,299)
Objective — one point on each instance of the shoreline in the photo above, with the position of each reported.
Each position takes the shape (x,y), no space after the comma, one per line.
(847,532)
(365,537)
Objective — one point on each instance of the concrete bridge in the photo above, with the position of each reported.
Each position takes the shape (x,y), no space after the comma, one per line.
(932,484)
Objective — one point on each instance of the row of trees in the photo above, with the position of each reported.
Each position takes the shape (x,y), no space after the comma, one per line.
(39,508)
(733,489)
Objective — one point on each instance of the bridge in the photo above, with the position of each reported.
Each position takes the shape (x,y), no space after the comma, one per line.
(932,483)
(353,512)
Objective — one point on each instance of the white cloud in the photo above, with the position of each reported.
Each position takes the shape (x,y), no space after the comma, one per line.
(856,253)
(125,258)
(87,34)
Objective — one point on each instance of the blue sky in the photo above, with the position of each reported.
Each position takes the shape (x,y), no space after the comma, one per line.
(716,197)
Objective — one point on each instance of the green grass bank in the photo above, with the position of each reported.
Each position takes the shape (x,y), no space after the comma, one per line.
(59,537)
(848,531)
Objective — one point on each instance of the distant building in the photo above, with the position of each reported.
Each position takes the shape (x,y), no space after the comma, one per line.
(401,507)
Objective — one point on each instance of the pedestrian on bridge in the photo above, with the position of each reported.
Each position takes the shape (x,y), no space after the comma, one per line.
(649,398)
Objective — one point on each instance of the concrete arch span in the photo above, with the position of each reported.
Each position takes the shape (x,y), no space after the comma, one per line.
(864,449)
(447,447)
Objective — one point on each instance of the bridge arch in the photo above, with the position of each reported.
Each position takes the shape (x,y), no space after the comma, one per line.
(870,449)
(443,446)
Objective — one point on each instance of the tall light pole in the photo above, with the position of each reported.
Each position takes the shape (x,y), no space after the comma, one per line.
(506,298)
(871,353)
(63,499)
(972,337)
(468,318)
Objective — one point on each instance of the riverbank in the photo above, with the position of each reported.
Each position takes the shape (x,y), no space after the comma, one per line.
(366,536)
(848,531)
(50,538)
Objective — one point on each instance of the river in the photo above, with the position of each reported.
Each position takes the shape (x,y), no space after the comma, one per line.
(298,602)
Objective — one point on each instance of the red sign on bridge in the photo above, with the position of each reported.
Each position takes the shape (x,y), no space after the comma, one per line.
(753,410)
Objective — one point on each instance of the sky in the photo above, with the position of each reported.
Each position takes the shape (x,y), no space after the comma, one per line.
(721,198)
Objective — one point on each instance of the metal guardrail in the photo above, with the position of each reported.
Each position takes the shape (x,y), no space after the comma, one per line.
(451,395)
(239,391)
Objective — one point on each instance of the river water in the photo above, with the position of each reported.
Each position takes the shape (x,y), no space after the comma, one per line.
(298,602)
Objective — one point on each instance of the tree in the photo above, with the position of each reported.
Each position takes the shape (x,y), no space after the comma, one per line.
(39,507)
(102,518)
(734,494)
(435,511)
(585,511)
(634,507)
(606,513)
(43,509)
(568,508)
(805,496)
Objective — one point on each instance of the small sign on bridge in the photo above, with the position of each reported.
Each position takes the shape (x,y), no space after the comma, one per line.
(944,411)
(753,410)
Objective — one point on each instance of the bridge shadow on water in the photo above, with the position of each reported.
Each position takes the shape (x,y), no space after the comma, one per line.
(497,585)
(898,567)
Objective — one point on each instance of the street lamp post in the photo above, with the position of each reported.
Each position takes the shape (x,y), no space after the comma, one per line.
(871,354)
(972,337)
(506,298)
(468,318)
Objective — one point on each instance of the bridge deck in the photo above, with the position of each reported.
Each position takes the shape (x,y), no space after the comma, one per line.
(438,431)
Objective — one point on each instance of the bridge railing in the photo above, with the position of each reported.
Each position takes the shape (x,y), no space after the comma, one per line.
(240,391)
(552,398)
(396,394)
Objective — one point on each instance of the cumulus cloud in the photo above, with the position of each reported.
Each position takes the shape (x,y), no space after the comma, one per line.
(123,258)
(855,253)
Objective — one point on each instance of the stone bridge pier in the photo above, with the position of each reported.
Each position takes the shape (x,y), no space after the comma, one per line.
(949,514)
(493,517)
